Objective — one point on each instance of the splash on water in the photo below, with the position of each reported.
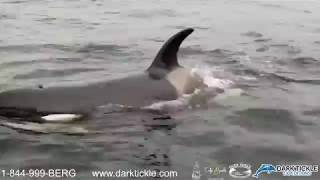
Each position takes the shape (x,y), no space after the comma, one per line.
(200,97)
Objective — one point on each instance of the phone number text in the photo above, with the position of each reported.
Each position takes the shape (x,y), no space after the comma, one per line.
(39,173)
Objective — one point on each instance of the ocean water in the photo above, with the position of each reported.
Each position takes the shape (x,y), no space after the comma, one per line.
(265,54)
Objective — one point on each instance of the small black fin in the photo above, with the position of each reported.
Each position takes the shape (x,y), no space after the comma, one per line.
(166,58)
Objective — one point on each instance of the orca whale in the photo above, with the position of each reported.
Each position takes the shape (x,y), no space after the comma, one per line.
(163,80)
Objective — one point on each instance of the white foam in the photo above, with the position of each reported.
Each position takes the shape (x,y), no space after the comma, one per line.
(208,78)
(173,105)
(229,93)
(200,97)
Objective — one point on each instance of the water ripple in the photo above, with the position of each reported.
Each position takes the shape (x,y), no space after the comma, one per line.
(44,73)
(266,120)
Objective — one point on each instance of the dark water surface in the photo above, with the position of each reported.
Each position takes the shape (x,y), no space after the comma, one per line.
(271,50)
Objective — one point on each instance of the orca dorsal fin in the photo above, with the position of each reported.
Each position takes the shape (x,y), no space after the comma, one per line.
(166,59)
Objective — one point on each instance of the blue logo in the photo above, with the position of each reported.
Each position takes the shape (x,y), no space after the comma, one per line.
(287,170)
(264,168)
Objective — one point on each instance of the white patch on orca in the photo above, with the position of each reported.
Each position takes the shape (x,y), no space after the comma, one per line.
(184,79)
(61,117)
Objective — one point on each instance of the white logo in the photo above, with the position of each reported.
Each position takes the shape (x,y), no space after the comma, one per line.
(297,170)
(216,171)
(240,170)
(196,175)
